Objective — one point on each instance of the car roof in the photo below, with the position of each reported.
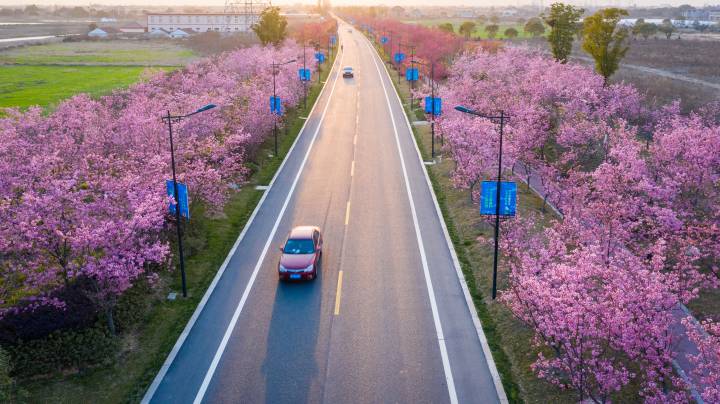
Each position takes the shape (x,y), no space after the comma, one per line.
(302,232)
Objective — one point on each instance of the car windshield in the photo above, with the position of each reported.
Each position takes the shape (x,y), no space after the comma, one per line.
(348,69)
(299,246)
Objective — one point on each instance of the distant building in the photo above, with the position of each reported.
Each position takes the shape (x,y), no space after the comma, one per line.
(468,13)
(178,33)
(158,33)
(219,22)
(714,15)
(696,15)
(97,33)
(132,28)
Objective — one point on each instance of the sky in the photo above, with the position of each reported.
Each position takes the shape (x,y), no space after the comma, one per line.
(405,3)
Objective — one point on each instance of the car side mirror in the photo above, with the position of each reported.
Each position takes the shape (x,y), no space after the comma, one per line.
(280,248)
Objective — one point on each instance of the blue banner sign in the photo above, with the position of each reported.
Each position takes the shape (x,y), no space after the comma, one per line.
(411,74)
(399,57)
(304,74)
(384,40)
(320,57)
(276,105)
(435,103)
(508,198)
(333,39)
(183,199)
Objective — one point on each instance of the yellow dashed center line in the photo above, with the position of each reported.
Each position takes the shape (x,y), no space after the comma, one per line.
(347,213)
(339,293)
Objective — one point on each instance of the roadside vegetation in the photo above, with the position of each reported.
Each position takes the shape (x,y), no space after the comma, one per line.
(123,323)
(543,282)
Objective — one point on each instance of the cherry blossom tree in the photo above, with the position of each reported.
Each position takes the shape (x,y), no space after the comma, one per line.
(82,189)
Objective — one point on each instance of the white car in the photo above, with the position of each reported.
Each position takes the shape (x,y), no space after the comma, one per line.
(348,72)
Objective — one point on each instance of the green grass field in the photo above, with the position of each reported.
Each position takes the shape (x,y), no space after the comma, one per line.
(24,86)
(479,30)
(100,52)
(46,74)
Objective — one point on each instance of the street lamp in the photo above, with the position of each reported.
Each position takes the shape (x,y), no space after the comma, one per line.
(304,83)
(412,66)
(432,107)
(170,119)
(500,120)
(275,67)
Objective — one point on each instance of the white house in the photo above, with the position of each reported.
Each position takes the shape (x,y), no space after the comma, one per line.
(178,33)
(97,33)
(219,22)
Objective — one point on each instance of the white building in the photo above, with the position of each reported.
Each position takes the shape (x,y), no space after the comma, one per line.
(219,22)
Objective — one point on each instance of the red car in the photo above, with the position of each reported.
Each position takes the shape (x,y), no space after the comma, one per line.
(301,254)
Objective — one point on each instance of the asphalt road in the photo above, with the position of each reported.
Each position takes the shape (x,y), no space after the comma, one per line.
(387,320)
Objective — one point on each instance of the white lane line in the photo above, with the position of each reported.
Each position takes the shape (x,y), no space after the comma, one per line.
(228,332)
(461,277)
(352,169)
(426,271)
(193,319)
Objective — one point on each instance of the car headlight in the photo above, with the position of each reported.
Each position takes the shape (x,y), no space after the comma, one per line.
(282,268)
(309,269)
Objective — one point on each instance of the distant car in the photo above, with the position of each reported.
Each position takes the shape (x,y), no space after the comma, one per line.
(301,254)
(348,73)
(350,30)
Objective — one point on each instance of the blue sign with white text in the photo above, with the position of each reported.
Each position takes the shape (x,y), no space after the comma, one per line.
(333,39)
(276,105)
(411,74)
(430,105)
(384,40)
(183,199)
(508,198)
(304,74)
(399,57)
(320,57)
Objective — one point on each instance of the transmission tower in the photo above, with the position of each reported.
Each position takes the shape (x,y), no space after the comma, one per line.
(248,10)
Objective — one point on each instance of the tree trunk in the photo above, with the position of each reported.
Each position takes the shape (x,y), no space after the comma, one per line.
(110,320)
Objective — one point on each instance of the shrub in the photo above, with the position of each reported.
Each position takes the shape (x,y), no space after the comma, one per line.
(78,311)
(63,350)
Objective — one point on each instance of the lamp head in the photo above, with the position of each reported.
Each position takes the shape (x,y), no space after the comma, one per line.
(205,108)
(463,109)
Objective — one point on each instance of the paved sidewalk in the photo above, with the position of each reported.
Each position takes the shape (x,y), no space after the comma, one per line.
(683,345)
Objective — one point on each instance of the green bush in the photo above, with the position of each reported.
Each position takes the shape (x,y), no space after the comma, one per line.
(9,391)
(63,350)
(133,306)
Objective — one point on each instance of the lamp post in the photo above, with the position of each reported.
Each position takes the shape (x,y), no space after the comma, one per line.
(275,71)
(500,120)
(304,82)
(412,66)
(432,108)
(170,119)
